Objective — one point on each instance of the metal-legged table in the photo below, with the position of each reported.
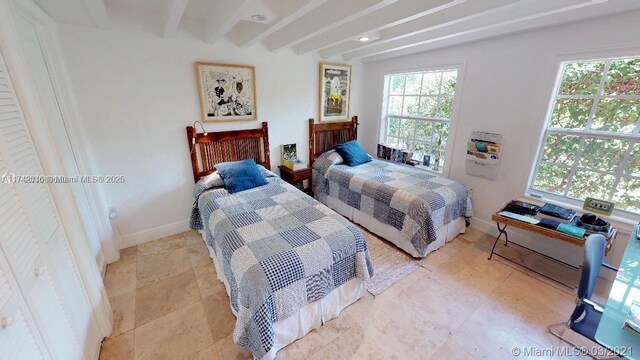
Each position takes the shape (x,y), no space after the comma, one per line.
(502,230)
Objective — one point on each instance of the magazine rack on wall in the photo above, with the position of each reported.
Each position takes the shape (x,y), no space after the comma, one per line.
(484,150)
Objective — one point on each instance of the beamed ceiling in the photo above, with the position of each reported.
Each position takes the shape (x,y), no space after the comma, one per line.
(336,28)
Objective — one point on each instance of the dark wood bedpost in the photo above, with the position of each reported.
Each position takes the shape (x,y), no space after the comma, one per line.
(311,142)
(194,157)
(267,149)
(354,129)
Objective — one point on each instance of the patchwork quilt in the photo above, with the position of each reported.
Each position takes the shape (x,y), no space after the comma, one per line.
(413,201)
(279,250)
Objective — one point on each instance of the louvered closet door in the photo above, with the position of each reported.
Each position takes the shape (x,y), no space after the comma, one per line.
(57,247)
(41,262)
(67,278)
(17,333)
(33,276)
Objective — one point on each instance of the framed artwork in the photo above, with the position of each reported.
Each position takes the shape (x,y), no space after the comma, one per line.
(289,152)
(227,92)
(335,92)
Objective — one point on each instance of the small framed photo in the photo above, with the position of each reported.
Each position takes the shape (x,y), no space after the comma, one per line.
(289,152)
(335,92)
(227,92)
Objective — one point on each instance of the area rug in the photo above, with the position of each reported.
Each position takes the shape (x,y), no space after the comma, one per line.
(390,264)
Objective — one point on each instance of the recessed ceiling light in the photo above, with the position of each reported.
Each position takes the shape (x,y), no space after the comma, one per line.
(258,17)
(364,39)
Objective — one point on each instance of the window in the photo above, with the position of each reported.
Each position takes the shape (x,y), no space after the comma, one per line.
(591,144)
(417,112)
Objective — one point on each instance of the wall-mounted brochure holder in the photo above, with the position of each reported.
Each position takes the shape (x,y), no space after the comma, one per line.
(483,154)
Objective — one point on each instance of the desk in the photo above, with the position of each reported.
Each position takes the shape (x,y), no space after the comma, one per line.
(625,289)
(499,219)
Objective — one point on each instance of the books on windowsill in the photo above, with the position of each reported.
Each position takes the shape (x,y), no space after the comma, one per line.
(394,154)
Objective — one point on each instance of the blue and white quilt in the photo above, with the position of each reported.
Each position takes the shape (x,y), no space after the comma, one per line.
(279,250)
(413,201)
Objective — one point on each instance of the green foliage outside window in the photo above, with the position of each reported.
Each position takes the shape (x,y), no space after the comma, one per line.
(419,109)
(592,143)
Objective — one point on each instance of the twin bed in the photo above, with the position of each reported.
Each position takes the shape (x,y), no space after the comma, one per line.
(288,262)
(417,211)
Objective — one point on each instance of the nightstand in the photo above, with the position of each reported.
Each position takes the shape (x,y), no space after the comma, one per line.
(296,177)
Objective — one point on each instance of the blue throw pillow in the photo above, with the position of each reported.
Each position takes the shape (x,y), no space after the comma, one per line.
(241,175)
(352,153)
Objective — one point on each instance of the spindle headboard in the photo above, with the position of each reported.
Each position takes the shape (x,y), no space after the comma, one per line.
(216,147)
(324,136)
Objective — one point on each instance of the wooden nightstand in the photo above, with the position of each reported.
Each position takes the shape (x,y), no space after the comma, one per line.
(297,176)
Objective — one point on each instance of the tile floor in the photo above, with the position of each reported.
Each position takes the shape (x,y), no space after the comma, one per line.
(168,304)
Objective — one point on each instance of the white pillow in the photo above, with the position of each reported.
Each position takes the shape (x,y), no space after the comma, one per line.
(267,173)
(334,157)
(213,180)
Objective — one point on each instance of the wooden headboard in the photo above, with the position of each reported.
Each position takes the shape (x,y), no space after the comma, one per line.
(221,146)
(324,136)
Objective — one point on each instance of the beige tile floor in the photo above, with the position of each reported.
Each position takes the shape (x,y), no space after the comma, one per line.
(168,304)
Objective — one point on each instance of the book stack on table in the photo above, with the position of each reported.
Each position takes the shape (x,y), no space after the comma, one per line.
(555,213)
(548,216)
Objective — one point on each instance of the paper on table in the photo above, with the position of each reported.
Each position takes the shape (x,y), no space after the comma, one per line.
(632,323)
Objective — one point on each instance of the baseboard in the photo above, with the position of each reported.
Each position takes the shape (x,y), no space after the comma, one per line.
(520,237)
(489,227)
(556,249)
(144,236)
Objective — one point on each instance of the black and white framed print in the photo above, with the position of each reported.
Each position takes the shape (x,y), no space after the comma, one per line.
(227,92)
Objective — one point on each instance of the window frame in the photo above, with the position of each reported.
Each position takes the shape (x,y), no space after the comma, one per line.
(633,137)
(457,95)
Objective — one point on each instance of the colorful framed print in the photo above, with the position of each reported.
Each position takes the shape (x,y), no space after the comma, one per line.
(227,92)
(335,92)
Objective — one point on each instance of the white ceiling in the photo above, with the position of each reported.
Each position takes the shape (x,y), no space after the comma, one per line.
(332,27)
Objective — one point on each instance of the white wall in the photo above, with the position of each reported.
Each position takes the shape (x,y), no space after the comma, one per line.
(137,92)
(506,89)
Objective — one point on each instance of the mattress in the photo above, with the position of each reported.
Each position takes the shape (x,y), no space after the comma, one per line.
(278,250)
(413,202)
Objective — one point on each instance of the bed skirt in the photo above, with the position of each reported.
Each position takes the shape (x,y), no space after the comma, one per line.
(308,318)
(444,234)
